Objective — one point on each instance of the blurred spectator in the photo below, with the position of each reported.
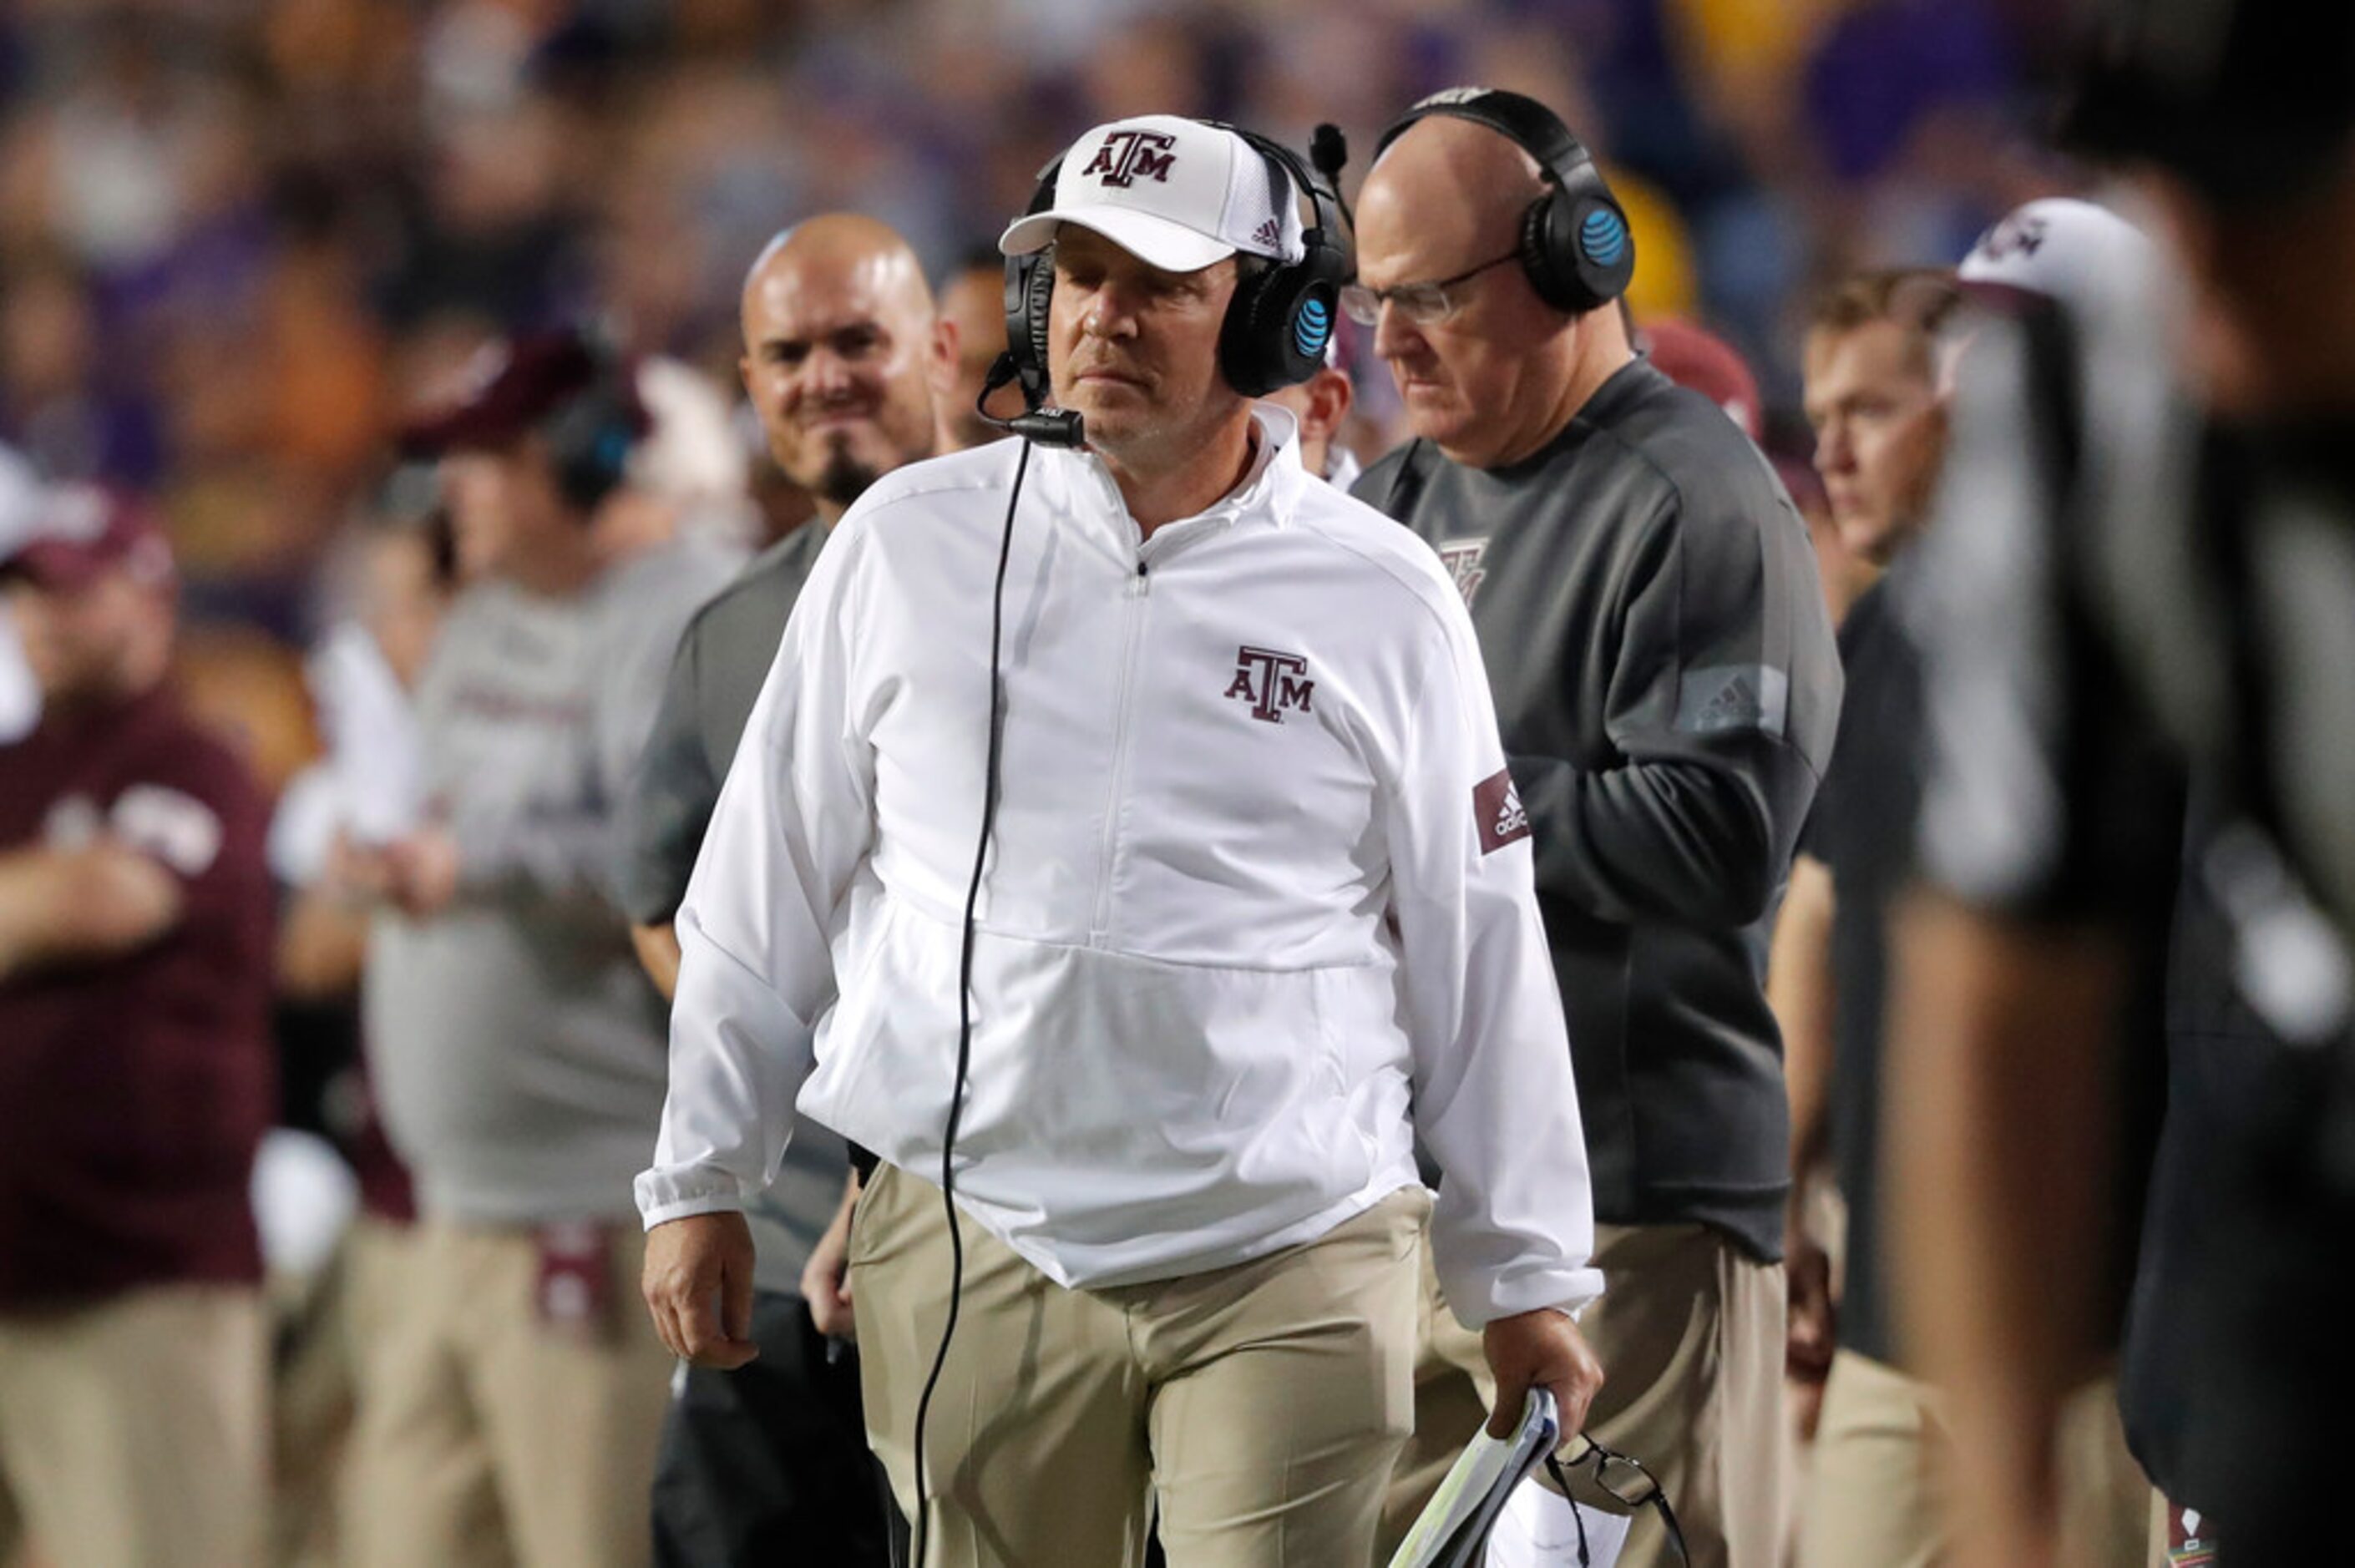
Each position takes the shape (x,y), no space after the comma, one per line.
(1666,284)
(134,990)
(399,588)
(2171,586)
(689,475)
(1877,1485)
(1691,355)
(969,336)
(1876,401)
(511,1394)
(1322,405)
(271,213)
(770,1460)
(55,402)
(1845,575)
(20,690)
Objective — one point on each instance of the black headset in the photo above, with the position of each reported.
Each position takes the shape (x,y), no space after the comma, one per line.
(591,434)
(1277,325)
(1576,247)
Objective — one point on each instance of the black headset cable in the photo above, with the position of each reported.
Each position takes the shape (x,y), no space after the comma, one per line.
(964,1003)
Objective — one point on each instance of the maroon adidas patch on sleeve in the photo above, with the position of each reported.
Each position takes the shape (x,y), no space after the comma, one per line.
(1496,807)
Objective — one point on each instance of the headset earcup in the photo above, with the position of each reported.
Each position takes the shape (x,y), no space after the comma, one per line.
(1280,321)
(1577,248)
(1247,356)
(588,445)
(1030,295)
(1600,240)
(1544,259)
(1038,301)
(597,469)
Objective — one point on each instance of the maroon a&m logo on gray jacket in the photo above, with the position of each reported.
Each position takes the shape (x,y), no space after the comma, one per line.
(1128,156)
(1270,682)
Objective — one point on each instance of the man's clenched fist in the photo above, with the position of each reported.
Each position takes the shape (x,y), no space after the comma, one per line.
(698,1287)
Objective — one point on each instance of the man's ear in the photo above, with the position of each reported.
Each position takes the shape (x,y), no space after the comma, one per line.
(940,357)
(1330,397)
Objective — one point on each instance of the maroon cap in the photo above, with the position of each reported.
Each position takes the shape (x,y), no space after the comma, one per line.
(1693,357)
(79,531)
(517,386)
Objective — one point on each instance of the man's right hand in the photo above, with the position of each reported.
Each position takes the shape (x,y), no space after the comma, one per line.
(826,1279)
(698,1287)
(1544,1349)
(1814,1328)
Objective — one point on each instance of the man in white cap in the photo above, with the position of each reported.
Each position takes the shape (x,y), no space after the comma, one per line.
(1249,908)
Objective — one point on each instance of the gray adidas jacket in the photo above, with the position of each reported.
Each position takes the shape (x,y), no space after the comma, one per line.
(1668,686)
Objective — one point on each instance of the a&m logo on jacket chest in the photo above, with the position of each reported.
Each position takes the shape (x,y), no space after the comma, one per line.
(1270,682)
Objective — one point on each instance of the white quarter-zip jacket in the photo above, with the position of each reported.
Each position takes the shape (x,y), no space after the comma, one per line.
(1257,909)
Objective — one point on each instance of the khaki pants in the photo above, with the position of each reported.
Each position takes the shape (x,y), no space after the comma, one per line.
(1260,1407)
(2104,1496)
(487,1433)
(1882,1487)
(135,1433)
(318,1331)
(1689,1332)
(1879,1493)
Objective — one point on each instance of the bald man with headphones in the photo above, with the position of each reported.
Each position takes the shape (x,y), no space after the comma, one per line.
(1247,910)
(1665,676)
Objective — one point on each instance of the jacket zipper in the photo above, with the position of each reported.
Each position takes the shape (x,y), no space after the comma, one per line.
(1133,594)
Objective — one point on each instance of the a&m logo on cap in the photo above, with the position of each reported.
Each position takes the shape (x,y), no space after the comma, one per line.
(1128,156)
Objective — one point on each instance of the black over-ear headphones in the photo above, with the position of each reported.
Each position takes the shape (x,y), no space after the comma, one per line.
(1278,322)
(591,434)
(1576,247)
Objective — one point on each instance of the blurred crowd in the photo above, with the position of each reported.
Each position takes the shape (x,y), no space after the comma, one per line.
(239,240)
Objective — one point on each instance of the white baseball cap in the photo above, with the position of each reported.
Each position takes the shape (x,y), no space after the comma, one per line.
(2059,247)
(1176,193)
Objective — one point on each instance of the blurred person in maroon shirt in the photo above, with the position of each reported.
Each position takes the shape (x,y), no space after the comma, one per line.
(135,1073)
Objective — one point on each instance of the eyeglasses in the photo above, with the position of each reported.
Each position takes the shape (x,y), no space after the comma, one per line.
(1424,304)
(1625,1482)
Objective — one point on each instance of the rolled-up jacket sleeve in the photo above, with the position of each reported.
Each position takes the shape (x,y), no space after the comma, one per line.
(794,821)
(1495,1100)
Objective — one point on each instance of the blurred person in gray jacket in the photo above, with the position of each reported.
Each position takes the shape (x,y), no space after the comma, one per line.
(1668,689)
(510,1407)
(770,1460)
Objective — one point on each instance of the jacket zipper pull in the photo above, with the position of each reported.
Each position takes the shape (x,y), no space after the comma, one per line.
(1142,583)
